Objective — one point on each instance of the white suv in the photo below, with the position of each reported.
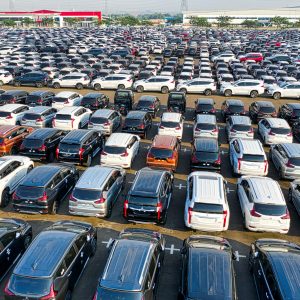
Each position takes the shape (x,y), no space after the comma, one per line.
(64,99)
(204,86)
(263,205)
(171,124)
(76,80)
(239,127)
(112,82)
(247,87)
(206,126)
(162,84)
(72,117)
(206,206)
(12,114)
(5,77)
(288,90)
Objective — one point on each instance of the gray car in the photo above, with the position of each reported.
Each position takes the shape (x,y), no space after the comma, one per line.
(294,194)
(39,117)
(97,191)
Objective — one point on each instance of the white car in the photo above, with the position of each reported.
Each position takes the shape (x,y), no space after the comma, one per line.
(204,86)
(12,114)
(162,84)
(243,87)
(65,99)
(75,80)
(239,127)
(289,90)
(5,77)
(263,205)
(12,170)
(206,206)
(171,124)
(120,150)
(112,82)
(275,131)
(206,126)
(71,117)
(226,57)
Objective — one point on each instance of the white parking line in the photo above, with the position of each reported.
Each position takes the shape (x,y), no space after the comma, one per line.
(172,249)
(107,243)
(180,186)
(238,256)
(185,149)
(229,190)
(224,152)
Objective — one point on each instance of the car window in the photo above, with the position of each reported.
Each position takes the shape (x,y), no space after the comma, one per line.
(56,180)
(80,242)
(109,184)
(70,256)
(7,239)
(236,147)
(190,188)
(14,165)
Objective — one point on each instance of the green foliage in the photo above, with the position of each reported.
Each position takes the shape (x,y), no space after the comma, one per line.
(71,21)
(8,23)
(27,21)
(224,21)
(128,20)
(251,23)
(279,21)
(47,21)
(201,22)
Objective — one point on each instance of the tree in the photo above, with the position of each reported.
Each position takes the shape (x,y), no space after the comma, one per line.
(128,20)
(27,21)
(297,24)
(47,21)
(201,22)
(224,21)
(8,23)
(280,21)
(71,21)
(250,23)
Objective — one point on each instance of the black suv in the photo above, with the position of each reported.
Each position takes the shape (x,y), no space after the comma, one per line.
(42,143)
(95,101)
(149,197)
(275,265)
(232,107)
(13,96)
(290,112)
(53,262)
(38,79)
(148,103)
(15,237)
(42,190)
(80,146)
(261,109)
(133,267)
(40,98)
(205,106)
(207,269)
(137,122)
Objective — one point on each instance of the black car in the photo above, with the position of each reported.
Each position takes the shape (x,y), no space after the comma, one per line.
(148,103)
(290,112)
(15,237)
(177,102)
(13,96)
(133,267)
(167,52)
(205,106)
(137,122)
(53,262)
(232,107)
(44,188)
(80,146)
(149,197)
(95,101)
(38,79)
(205,154)
(275,265)
(123,100)
(40,98)
(42,143)
(207,270)
(262,109)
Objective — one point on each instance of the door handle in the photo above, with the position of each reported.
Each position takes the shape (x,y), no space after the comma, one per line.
(267,295)
(69,274)
(259,273)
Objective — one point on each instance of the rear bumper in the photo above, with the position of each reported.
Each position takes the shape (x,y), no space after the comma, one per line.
(160,165)
(205,227)
(137,132)
(99,213)
(200,167)
(32,209)
(34,156)
(254,226)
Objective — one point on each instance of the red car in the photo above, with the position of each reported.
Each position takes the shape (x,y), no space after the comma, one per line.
(257,57)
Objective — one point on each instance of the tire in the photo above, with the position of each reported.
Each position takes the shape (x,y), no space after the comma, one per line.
(89,160)
(27,241)
(139,88)
(56,85)
(68,295)
(13,151)
(109,211)
(121,86)
(183,91)
(51,157)
(228,93)
(17,83)
(54,208)
(94,247)
(29,169)
(79,86)
(253,94)
(39,85)
(208,92)
(5,198)
(165,90)
(97,86)
(277,96)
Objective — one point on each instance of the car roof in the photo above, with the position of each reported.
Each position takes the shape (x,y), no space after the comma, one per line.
(45,252)
(93,95)
(38,109)
(42,133)
(65,94)
(11,107)
(277,122)
(119,139)
(208,119)
(205,101)
(171,117)
(251,146)
(76,135)
(240,120)
(292,149)
(4,129)
(125,268)
(12,92)
(235,102)
(68,110)
(294,105)
(265,103)
(104,113)
(39,93)
(206,144)
(164,141)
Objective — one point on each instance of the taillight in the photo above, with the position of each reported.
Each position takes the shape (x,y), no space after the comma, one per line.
(52,294)
(53,122)
(39,101)
(81,150)
(125,154)
(251,130)
(159,209)
(15,196)
(161,127)
(72,199)
(22,147)
(151,106)
(286,216)
(38,120)
(253,213)
(42,148)
(9,117)
(225,214)
(290,134)
(44,198)
(100,201)
(239,163)
(103,153)
(7,291)
(95,296)
(150,155)
(125,208)
(232,130)
(194,158)
(67,101)
(57,152)
(212,111)
(190,210)
(271,133)
(197,129)
(72,122)
(266,166)
(216,130)
(13,100)
(106,124)
(289,164)
(178,128)
(142,126)
(218,161)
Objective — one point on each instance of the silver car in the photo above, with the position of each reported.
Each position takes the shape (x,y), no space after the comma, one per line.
(39,117)
(97,191)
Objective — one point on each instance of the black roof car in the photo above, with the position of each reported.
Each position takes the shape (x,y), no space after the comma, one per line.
(205,106)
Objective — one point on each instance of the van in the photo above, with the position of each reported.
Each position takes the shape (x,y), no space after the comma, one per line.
(171,124)
(206,126)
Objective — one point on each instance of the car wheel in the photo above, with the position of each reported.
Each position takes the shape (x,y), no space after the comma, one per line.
(94,246)
(109,211)
(89,160)
(183,91)
(17,83)
(79,86)
(97,86)
(121,86)
(276,96)
(228,93)
(13,151)
(208,92)
(38,85)
(54,208)
(5,198)
(51,157)
(1,82)
(29,169)
(165,90)
(27,241)
(56,85)
(139,89)
(253,94)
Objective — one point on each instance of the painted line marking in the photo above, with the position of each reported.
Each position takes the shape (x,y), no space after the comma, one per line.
(238,256)
(107,243)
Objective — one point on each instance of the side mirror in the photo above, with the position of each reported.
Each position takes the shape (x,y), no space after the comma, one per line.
(183,250)
(18,234)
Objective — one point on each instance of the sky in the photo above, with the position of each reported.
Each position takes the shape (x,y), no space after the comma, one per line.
(144,6)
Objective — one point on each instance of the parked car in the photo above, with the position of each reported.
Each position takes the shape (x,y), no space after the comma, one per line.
(12,114)
(66,246)
(39,117)
(206,86)
(64,99)
(163,84)
(171,124)
(232,107)
(40,98)
(142,266)
(148,103)
(239,127)
(44,188)
(13,97)
(206,126)
(5,77)
(257,57)
(290,112)
(95,101)
(262,204)
(112,82)
(38,79)
(196,283)
(261,109)
(205,106)
(80,146)
(288,90)
(72,80)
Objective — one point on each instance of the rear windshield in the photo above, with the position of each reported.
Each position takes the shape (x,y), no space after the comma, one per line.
(145,103)
(87,100)
(269,81)
(207,156)
(185,77)
(161,153)
(29,285)
(122,95)
(114,149)
(205,106)
(169,124)
(24,191)
(270,209)
(295,161)
(236,108)
(31,116)
(208,208)
(205,126)
(33,98)
(133,122)
(176,97)
(142,200)
(98,120)
(59,99)
(296,112)
(253,158)
(6,97)
(281,130)
(62,117)
(267,109)
(4,114)
(32,143)
(85,194)
(65,147)
(239,127)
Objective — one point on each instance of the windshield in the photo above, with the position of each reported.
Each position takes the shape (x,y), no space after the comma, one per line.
(142,200)
(85,194)
(161,153)
(34,192)
(32,143)
(281,130)
(114,149)
(253,158)
(65,147)
(270,209)
(239,127)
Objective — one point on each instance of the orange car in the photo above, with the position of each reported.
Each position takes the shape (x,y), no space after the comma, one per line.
(11,137)
(164,152)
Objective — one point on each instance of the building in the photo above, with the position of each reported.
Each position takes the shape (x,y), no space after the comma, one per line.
(87,17)
(239,16)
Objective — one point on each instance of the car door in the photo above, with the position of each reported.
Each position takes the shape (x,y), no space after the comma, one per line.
(17,173)
(109,191)
(296,197)
(151,84)
(67,179)
(73,266)
(243,193)
(66,81)
(240,88)
(116,120)
(263,128)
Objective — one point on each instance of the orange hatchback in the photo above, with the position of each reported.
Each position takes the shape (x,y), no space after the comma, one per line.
(164,152)
(11,137)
